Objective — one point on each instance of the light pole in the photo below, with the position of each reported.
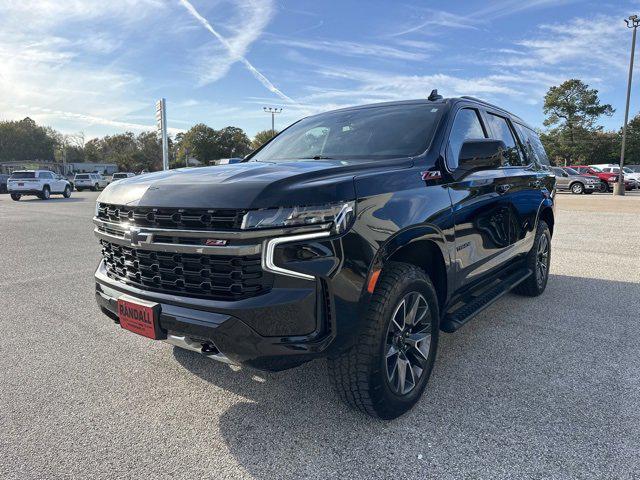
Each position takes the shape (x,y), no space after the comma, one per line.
(272,111)
(632,22)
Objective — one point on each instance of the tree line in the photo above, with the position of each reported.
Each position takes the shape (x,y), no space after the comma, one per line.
(28,141)
(572,136)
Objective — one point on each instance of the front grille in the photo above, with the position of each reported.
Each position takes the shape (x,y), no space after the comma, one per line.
(204,276)
(179,218)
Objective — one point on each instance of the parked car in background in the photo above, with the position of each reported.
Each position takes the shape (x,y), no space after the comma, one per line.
(3,182)
(355,235)
(607,179)
(41,183)
(615,169)
(89,181)
(635,168)
(569,179)
(121,175)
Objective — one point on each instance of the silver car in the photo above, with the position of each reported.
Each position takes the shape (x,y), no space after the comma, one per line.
(569,179)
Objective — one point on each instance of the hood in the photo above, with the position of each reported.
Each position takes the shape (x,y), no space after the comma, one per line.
(243,185)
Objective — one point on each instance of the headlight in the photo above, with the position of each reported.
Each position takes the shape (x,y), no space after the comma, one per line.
(339,214)
(96,210)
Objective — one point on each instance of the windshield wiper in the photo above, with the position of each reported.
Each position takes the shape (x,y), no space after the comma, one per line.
(317,157)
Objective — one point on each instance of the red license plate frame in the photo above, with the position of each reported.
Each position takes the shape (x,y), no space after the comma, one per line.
(139,316)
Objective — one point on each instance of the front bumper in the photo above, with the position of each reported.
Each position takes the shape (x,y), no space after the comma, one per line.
(222,331)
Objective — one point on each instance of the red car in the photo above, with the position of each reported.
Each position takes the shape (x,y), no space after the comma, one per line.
(607,179)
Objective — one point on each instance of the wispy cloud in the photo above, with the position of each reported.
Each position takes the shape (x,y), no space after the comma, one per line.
(356,49)
(259,13)
(443,20)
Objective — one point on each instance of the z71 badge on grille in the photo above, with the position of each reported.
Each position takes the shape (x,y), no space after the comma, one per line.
(214,242)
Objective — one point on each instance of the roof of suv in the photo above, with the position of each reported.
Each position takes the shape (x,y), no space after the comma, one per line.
(444,101)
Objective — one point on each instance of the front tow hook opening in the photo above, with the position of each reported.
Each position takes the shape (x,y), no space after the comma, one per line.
(207,349)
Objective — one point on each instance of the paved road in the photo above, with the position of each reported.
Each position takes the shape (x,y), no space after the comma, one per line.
(533,388)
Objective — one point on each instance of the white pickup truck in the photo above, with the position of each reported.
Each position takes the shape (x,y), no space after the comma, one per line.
(41,183)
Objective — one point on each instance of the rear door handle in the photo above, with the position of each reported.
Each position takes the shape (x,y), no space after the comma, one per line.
(503,188)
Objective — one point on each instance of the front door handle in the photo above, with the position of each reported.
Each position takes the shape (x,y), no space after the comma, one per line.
(503,188)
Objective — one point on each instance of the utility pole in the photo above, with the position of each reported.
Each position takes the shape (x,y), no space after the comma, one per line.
(161,118)
(632,22)
(272,111)
(186,157)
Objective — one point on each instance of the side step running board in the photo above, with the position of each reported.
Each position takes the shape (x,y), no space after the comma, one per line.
(473,305)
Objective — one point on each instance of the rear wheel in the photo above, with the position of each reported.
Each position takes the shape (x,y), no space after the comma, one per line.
(67,192)
(15,197)
(538,261)
(96,187)
(577,188)
(386,371)
(46,193)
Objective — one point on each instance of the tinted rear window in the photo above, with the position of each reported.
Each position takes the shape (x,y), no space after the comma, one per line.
(119,175)
(83,176)
(22,175)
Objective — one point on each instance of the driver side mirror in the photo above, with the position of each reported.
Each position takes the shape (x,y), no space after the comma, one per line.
(478,155)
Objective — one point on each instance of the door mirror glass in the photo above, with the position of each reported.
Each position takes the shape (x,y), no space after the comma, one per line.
(478,155)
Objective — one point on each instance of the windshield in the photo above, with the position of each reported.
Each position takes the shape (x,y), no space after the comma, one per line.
(15,175)
(376,132)
(628,170)
(571,171)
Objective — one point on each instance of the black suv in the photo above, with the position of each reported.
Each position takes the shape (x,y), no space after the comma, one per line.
(355,235)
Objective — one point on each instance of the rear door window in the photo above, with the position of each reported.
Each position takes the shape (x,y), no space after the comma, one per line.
(502,131)
(466,126)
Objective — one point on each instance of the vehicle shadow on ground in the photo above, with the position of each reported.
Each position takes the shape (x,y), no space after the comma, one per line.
(52,200)
(514,391)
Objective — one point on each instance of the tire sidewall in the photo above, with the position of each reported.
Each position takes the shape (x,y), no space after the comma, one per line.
(579,187)
(67,192)
(543,231)
(46,193)
(390,402)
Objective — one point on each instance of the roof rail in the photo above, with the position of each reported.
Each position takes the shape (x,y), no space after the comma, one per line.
(484,102)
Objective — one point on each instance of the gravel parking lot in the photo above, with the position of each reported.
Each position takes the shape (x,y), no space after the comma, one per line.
(532,388)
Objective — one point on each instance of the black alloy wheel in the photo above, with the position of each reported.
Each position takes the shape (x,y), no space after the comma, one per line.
(408,343)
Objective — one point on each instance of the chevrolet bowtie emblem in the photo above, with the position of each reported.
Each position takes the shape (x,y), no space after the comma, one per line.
(137,237)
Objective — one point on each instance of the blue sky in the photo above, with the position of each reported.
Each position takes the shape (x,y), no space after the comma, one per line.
(98,67)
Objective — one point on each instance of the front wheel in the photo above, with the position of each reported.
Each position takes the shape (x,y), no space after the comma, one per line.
(538,261)
(16,197)
(577,188)
(386,370)
(67,192)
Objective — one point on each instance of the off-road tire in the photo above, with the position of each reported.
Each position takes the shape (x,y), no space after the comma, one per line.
(534,285)
(359,374)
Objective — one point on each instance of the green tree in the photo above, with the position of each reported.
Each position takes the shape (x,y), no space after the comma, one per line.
(573,108)
(632,149)
(206,144)
(262,137)
(25,140)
